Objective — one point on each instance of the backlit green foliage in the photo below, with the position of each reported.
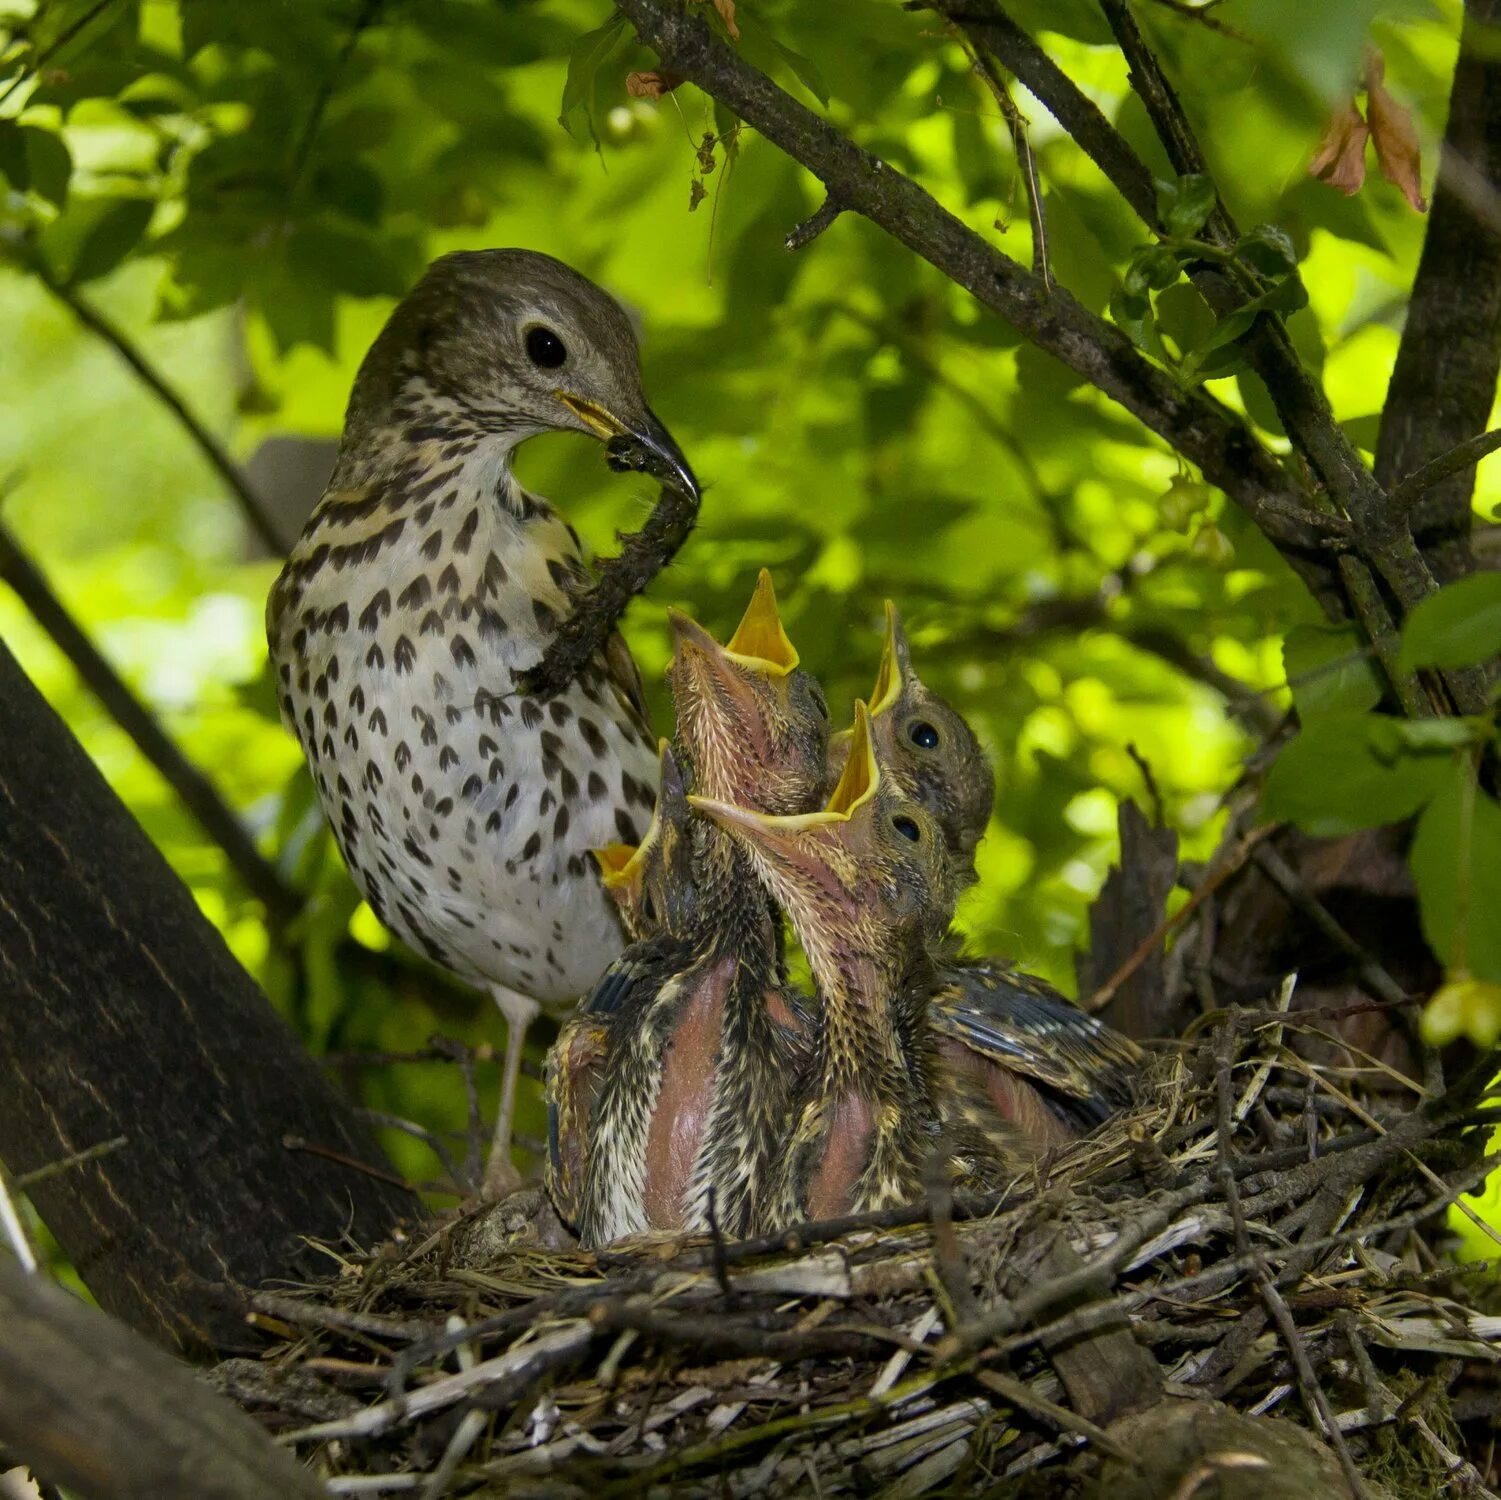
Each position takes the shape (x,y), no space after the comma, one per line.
(245,187)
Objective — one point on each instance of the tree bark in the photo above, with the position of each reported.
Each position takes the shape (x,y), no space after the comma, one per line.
(1444,382)
(123,1013)
(91,1405)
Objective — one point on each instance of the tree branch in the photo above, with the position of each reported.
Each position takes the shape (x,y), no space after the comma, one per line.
(91,1405)
(1196,425)
(207,444)
(1459,458)
(1444,381)
(197,793)
(1381,532)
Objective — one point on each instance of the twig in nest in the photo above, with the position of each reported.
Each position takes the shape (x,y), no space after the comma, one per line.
(1314,1398)
(1026,1399)
(320,1315)
(643,554)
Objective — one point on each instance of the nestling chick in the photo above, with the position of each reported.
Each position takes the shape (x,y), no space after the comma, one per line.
(1018,1055)
(927,749)
(701,1039)
(865,882)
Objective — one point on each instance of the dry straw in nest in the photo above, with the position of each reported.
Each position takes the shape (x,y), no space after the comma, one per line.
(1249,1241)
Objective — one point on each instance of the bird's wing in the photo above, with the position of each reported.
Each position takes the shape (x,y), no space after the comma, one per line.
(622,670)
(635,977)
(1023,1024)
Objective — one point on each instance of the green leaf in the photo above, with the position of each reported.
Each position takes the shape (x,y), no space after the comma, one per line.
(1330,670)
(585,58)
(1334,779)
(1153,267)
(1132,312)
(1440,869)
(48,163)
(94,236)
(1286,296)
(1187,204)
(14,167)
(1456,627)
(1268,251)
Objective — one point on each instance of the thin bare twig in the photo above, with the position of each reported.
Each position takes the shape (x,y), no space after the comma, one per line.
(1016,122)
(28,1180)
(1460,457)
(800,236)
(207,444)
(1378,983)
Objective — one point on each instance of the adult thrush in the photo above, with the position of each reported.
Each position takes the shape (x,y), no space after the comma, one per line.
(425,584)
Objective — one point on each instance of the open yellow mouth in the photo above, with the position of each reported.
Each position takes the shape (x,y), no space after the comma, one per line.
(861,774)
(759,641)
(593,416)
(857,785)
(617,863)
(888,686)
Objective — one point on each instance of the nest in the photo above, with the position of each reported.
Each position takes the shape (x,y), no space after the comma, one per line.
(1249,1241)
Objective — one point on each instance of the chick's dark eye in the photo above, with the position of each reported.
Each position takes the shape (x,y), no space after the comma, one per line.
(545,348)
(649,909)
(908,829)
(923,735)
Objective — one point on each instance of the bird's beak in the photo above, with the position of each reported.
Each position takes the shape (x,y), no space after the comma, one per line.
(621,865)
(759,642)
(785,838)
(618,864)
(891,678)
(889,675)
(642,446)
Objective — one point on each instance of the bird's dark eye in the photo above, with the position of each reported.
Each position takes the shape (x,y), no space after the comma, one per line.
(545,348)
(923,735)
(649,908)
(908,829)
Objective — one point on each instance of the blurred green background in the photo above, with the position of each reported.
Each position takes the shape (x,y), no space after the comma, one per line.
(243,189)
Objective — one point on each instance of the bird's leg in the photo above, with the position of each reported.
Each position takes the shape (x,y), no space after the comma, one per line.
(520,1010)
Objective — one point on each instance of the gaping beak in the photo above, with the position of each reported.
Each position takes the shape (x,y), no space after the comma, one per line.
(621,865)
(759,642)
(785,838)
(643,446)
(890,680)
(618,864)
(889,674)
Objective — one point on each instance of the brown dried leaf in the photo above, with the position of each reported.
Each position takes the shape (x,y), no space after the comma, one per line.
(696,194)
(726,9)
(1340,158)
(1393,134)
(651,85)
